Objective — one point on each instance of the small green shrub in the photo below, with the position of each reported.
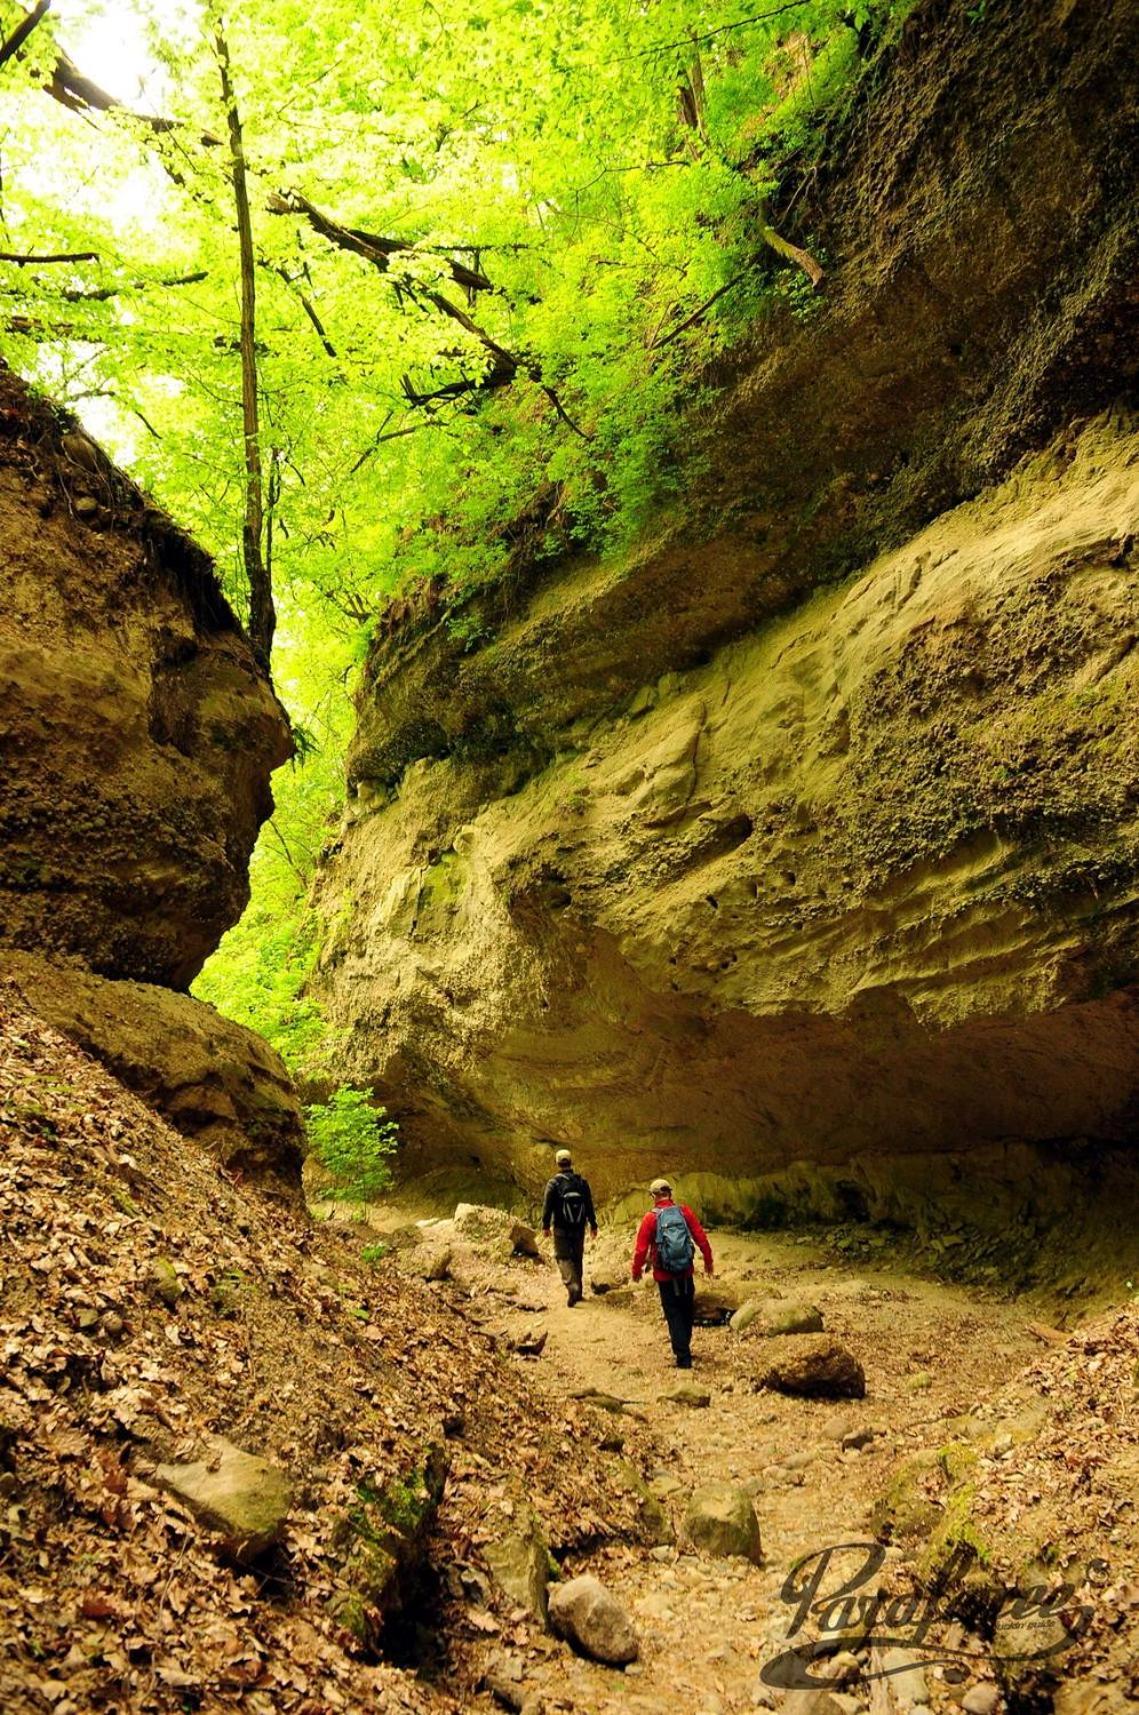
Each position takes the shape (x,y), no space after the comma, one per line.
(372,1254)
(354,1140)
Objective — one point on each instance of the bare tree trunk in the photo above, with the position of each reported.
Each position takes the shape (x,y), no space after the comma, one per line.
(262,613)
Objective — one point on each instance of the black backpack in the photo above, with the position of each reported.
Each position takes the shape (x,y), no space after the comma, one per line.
(572,1200)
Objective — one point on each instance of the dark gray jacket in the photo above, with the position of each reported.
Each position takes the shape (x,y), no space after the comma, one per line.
(568,1195)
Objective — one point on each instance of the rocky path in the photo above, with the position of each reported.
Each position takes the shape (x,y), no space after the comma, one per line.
(708,1625)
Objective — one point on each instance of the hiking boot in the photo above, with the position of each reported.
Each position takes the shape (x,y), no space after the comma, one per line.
(684,1363)
(574,1296)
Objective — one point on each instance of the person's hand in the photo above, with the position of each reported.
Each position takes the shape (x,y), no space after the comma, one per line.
(708,1269)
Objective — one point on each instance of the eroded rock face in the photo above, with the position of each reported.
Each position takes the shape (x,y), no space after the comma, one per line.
(817,894)
(860,891)
(138,733)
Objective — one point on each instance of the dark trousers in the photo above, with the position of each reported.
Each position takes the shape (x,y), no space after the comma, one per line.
(678,1301)
(569,1254)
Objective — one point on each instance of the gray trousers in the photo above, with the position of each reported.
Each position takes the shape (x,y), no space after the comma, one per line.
(569,1254)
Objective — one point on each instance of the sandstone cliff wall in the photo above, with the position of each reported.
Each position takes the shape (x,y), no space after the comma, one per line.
(137,737)
(813,896)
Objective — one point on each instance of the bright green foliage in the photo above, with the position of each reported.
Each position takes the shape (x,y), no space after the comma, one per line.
(354,1141)
(605,166)
(259,972)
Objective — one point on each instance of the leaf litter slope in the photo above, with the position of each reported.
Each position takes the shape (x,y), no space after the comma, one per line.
(111,1596)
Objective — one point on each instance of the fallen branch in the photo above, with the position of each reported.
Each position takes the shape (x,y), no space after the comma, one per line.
(782,246)
(698,315)
(802,258)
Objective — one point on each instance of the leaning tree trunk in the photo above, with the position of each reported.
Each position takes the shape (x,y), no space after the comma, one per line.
(262,613)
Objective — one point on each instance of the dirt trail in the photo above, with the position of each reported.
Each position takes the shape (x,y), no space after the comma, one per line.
(930,1352)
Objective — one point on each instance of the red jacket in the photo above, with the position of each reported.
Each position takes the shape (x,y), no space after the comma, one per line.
(646,1241)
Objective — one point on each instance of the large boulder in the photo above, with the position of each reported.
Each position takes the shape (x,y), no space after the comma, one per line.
(591,1617)
(139,731)
(814,1366)
(243,1497)
(720,1519)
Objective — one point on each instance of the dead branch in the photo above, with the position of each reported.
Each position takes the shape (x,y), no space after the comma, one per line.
(370,245)
(24,259)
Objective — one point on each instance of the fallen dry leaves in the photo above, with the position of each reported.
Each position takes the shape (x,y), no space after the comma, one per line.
(111,1596)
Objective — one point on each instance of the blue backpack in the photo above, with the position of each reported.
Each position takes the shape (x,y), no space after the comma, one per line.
(674,1247)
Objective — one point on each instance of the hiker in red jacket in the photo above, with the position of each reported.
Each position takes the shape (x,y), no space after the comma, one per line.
(671,1233)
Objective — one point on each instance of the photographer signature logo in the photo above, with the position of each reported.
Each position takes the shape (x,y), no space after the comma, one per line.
(836,1592)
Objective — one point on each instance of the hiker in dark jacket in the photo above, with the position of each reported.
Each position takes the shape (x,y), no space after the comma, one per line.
(670,1235)
(568,1209)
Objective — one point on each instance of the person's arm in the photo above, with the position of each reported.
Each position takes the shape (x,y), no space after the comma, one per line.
(644,1243)
(700,1237)
(550,1205)
(589,1214)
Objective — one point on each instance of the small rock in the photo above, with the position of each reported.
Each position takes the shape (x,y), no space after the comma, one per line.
(742,1320)
(502,1677)
(429,1262)
(87,1321)
(815,1366)
(665,1485)
(844,1667)
(905,1675)
(520,1565)
(164,1282)
(716,1304)
(112,1323)
(239,1494)
(479,1223)
(857,1439)
(603,1401)
(523,1240)
(782,1316)
(721,1520)
(920,1382)
(982,1700)
(662,1551)
(687,1393)
(591,1617)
